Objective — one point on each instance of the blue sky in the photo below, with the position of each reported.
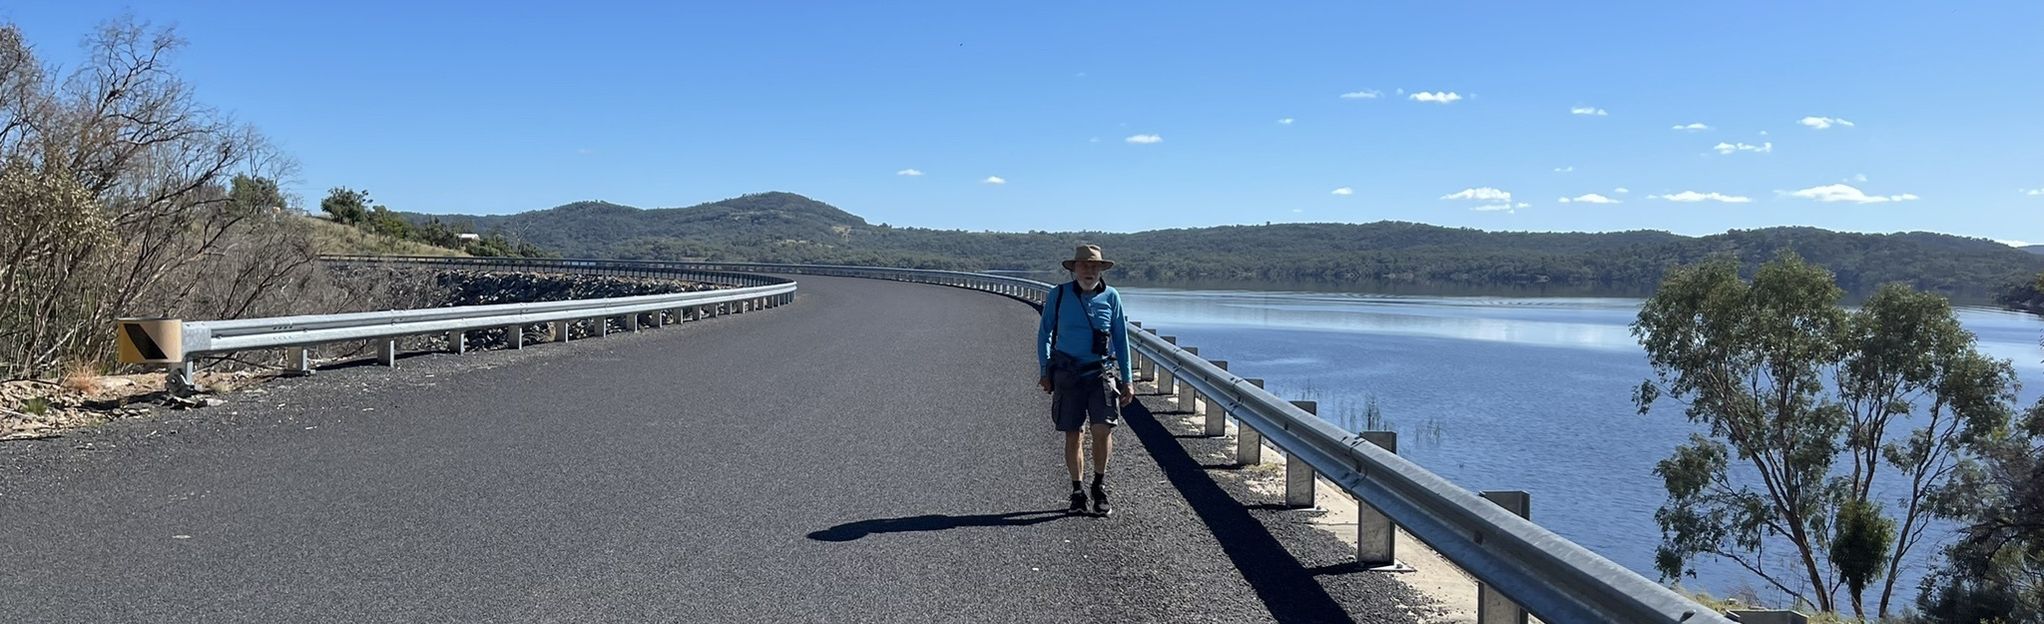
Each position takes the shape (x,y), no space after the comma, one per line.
(505,107)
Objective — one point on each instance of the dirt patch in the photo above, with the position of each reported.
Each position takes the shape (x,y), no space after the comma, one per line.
(35,409)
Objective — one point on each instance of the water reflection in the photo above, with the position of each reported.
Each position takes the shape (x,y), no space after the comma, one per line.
(1565,322)
(1572,322)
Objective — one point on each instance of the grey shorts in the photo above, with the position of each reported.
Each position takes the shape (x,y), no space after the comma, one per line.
(1079,397)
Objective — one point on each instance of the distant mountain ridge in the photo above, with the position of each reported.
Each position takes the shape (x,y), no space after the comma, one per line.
(2035,249)
(786,227)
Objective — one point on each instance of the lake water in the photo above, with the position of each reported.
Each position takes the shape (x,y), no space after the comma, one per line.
(1502,393)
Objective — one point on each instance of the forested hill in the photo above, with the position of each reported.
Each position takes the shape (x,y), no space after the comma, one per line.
(784,227)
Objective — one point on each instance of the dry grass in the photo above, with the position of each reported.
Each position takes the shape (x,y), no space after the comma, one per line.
(80,376)
(334,238)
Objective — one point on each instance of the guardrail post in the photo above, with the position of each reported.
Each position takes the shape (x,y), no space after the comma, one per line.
(690,313)
(182,377)
(388,352)
(1298,474)
(632,322)
(1376,536)
(1165,383)
(300,360)
(514,336)
(561,331)
(1248,441)
(1217,418)
(1149,372)
(1493,607)
(457,342)
(601,327)
(1135,357)
(1188,397)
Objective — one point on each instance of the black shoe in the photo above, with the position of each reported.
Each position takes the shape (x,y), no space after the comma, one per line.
(1078,501)
(1100,505)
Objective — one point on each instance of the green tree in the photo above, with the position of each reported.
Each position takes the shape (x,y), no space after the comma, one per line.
(1906,350)
(1994,570)
(347,206)
(1859,547)
(382,220)
(253,193)
(1790,384)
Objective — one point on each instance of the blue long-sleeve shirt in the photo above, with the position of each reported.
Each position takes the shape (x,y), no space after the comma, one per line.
(1077,314)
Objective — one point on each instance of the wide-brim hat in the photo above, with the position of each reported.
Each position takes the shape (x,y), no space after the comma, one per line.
(1088,253)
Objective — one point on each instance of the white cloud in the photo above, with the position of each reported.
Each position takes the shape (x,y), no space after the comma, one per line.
(908,172)
(1763,133)
(1591,198)
(2013,243)
(1847,193)
(1366,94)
(2033,192)
(1525,205)
(995,180)
(1568,169)
(1691,127)
(1621,190)
(1859,177)
(1344,191)
(1298,210)
(1144,139)
(1286,121)
(1727,148)
(1693,196)
(1587,110)
(1824,123)
(1495,208)
(1439,97)
(1481,193)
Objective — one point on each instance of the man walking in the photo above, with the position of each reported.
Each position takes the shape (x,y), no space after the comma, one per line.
(1082,361)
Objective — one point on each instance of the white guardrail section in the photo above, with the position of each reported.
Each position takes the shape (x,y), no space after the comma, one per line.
(1520,564)
(752,292)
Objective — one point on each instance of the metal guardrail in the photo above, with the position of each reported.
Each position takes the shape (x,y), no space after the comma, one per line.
(1524,563)
(216,337)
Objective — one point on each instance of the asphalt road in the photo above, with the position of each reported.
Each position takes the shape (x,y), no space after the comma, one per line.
(876,452)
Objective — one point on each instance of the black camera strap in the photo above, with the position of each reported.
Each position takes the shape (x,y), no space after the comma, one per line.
(1058,309)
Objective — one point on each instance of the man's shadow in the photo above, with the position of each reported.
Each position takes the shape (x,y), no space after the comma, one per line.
(933,522)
